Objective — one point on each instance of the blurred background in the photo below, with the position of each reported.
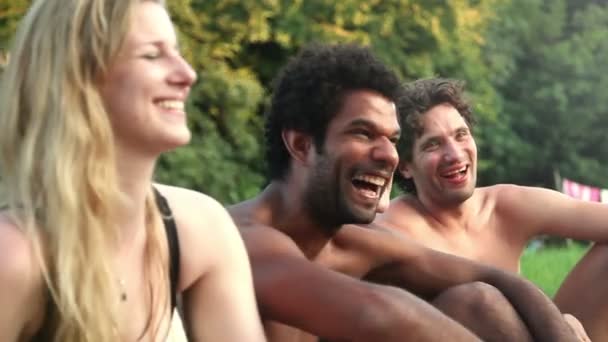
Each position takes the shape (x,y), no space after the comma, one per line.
(535,69)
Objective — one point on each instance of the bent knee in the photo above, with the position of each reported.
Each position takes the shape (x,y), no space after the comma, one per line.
(472,296)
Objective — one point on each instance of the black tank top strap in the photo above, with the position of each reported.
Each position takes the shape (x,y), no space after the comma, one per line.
(172,242)
(174,263)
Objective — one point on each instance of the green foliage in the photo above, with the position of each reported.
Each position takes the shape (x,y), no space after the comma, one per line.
(223,157)
(552,104)
(534,68)
(242,44)
(10,13)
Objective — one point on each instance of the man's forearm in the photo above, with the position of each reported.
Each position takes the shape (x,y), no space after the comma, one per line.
(399,315)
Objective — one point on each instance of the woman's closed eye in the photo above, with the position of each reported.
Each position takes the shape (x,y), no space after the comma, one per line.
(151,55)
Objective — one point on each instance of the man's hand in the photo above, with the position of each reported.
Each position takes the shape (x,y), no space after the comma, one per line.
(577,327)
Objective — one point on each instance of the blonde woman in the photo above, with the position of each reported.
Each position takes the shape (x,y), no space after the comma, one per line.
(90,249)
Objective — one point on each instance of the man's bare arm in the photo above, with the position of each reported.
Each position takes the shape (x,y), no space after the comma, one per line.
(546,211)
(428,272)
(294,291)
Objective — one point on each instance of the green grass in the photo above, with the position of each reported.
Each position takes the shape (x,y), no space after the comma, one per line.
(547,267)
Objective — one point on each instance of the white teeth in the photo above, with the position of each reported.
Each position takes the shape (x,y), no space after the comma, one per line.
(463,169)
(172,104)
(379,181)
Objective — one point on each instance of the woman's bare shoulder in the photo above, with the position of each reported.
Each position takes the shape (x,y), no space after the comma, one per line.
(205,230)
(21,282)
(16,254)
(193,209)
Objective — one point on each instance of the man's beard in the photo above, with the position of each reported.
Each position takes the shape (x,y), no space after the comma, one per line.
(326,202)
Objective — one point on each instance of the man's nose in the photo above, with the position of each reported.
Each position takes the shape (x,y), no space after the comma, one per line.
(386,152)
(452,151)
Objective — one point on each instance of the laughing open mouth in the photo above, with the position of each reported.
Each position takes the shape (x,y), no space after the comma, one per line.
(457,173)
(172,104)
(369,186)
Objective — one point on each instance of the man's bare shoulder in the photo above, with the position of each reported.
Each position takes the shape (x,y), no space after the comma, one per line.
(506,189)
(498,190)
(405,201)
(506,196)
(403,213)
(529,207)
(253,219)
(248,214)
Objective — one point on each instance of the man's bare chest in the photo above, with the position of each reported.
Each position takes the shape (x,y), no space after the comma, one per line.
(484,242)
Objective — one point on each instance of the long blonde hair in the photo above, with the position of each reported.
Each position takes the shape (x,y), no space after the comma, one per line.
(57,160)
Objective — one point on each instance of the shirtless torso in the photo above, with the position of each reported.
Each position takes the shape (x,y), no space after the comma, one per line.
(310,286)
(335,254)
(332,257)
(485,232)
(495,224)
(444,209)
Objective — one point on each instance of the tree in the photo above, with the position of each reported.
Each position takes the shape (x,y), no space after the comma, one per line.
(553,109)
(237,48)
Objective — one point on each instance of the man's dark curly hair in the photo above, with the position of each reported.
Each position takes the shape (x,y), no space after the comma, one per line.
(309,92)
(418,98)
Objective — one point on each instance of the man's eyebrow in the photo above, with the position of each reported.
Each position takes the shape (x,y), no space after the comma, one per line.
(370,124)
(361,122)
(424,140)
(462,128)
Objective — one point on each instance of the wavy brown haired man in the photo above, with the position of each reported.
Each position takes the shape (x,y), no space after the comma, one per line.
(444,210)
